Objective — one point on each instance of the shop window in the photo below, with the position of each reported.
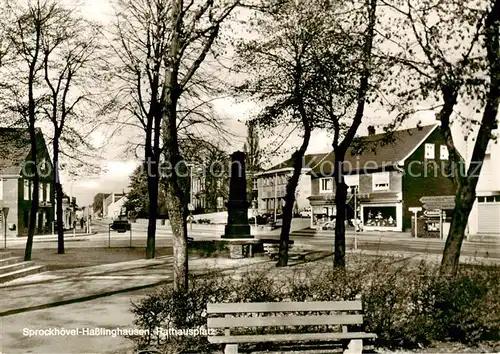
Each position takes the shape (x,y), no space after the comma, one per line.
(429,151)
(480,199)
(497,198)
(380,181)
(326,185)
(443,152)
(490,199)
(385,216)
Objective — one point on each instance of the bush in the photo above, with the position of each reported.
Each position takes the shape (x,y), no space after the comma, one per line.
(406,306)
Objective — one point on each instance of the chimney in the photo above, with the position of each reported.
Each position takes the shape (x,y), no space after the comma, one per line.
(371,130)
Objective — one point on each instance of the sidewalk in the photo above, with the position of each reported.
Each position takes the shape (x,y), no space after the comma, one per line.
(54,288)
(98,297)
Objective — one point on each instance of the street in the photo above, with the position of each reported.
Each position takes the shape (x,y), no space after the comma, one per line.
(301,235)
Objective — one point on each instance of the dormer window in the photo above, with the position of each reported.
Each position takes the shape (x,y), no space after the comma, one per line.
(443,152)
(429,151)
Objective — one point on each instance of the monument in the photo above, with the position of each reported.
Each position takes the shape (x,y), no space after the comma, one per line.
(237,226)
(237,230)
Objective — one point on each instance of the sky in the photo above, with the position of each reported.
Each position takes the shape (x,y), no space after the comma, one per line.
(117,166)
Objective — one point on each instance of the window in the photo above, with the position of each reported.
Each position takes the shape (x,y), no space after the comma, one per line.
(255,183)
(48,192)
(27,189)
(351,180)
(41,188)
(326,185)
(385,216)
(220,202)
(443,152)
(1,188)
(489,199)
(429,151)
(380,181)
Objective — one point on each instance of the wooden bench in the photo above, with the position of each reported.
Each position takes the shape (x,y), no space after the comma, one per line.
(272,250)
(346,313)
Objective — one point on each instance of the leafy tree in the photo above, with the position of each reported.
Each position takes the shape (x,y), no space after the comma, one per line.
(98,201)
(450,52)
(137,198)
(304,67)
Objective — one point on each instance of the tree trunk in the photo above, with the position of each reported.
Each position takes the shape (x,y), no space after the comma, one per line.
(153,187)
(35,195)
(59,197)
(464,201)
(291,187)
(177,216)
(466,194)
(176,206)
(340,200)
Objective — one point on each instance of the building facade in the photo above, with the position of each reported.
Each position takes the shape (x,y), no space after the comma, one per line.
(16,183)
(484,218)
(113,205)
(384,179)
(271,185)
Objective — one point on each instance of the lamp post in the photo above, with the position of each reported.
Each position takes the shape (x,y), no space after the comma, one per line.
(191,186)
(275,195)
(356,226)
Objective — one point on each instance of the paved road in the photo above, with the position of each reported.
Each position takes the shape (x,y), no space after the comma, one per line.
(321,240)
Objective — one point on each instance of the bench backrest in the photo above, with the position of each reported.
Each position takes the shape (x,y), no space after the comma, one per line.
(284,307)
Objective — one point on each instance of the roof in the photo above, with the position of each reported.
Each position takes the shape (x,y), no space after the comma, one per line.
(378,150)
(14,149)
(309,161)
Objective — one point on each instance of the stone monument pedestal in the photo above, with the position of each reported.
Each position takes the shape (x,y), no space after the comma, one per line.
(237,227)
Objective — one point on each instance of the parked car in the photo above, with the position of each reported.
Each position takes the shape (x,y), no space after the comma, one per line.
(306,213)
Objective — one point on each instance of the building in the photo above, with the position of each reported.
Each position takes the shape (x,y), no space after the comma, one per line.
(271,185)
(484,218)
(16,183)
(113,205)
(209,191)
(385,178)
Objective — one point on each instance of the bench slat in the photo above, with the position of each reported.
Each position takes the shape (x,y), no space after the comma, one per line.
(247,307)
(270,321)
(295,337)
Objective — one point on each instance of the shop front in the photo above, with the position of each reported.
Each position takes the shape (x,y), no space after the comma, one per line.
(382,216)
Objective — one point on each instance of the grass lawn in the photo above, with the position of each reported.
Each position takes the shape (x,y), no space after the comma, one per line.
(85,257)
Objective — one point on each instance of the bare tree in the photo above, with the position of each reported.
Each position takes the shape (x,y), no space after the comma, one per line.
(163,45)
(450,50)
(71,58)
(25,36)
(194,29)
(142,44)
